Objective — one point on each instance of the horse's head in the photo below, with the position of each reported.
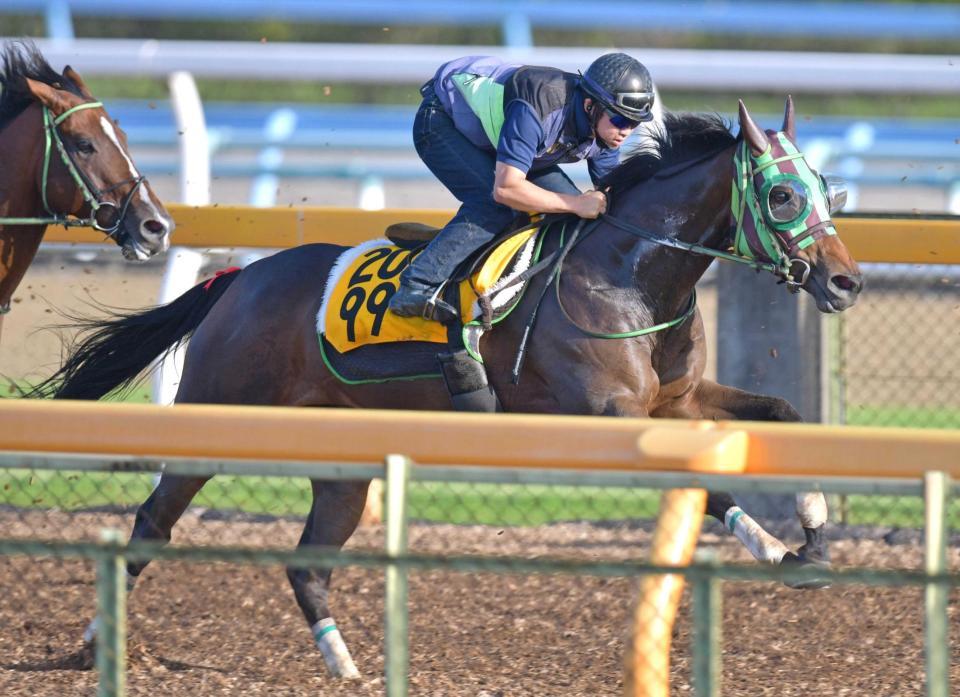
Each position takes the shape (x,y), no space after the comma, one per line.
(782,210)
(94,177)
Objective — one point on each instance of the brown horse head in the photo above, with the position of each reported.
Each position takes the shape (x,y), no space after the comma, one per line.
(784,215)
(85,170)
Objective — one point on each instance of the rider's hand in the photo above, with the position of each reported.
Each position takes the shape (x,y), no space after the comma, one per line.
(591,204)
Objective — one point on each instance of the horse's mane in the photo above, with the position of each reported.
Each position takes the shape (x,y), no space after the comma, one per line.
(22,59)
(681,137)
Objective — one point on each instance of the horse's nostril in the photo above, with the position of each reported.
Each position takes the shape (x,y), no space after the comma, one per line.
(155,227)
(846,283)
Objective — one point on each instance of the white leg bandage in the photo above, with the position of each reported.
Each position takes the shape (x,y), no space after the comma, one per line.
(90,633)
(812,509)
(762,545)
(334,650)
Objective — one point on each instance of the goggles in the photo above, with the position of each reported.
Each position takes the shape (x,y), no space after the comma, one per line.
(639,102)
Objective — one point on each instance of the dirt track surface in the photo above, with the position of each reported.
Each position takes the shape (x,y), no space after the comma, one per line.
(206,629)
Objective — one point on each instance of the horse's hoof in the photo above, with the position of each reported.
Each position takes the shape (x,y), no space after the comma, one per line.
(811,579)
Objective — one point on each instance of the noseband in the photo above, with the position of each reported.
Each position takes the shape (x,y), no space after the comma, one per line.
(91,194)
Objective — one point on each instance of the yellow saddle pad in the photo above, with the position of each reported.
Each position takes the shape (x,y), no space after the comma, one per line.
(354,310)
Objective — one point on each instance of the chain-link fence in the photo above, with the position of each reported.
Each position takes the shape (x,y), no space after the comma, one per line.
(560,627)
(895,354)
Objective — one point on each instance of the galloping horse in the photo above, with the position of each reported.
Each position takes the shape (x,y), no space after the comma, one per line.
(592,350)
(92,177)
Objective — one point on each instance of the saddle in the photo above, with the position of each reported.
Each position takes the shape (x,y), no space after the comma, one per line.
(411,235)
(363,341)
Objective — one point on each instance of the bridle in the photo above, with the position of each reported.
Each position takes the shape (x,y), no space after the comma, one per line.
(777,248)
(105,216)
(780,240)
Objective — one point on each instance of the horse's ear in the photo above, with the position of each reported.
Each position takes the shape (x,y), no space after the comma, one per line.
(75,78)
(47,95)
(756,138)
(789,125)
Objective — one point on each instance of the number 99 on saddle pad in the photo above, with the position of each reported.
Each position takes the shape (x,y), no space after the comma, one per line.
(354,309)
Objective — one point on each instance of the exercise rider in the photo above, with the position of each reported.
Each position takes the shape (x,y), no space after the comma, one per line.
(494,134)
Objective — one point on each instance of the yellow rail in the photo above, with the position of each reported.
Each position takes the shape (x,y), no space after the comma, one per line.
(647,659)
(903,240)
(435,438)
(580,442)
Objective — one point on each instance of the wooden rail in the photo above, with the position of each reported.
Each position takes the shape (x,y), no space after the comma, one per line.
(441,438)
(894,240)
(515,440)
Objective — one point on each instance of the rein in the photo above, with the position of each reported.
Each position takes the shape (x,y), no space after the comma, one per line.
(91,194)
(782,265)
(555,261)
(692,247)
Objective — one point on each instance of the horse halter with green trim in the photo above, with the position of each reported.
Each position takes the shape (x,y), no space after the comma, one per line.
(105,216)
(772,232)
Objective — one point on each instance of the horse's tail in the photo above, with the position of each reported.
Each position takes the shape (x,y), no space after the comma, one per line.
(112,353)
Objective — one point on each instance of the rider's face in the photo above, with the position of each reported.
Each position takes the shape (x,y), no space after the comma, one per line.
(612,135)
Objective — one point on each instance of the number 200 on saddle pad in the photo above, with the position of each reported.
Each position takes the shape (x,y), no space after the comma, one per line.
(354,310)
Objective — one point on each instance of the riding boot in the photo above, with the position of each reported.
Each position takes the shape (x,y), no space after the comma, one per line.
(421,283)
(422,301)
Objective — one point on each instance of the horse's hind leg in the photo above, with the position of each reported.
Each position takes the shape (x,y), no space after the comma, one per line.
(155,519)
(336,510)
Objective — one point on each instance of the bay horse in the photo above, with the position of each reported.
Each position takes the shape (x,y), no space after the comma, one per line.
(751,199)
(90,181)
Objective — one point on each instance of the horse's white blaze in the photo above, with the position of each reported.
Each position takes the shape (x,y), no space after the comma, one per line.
(762,545)
(142,191)
(812,509)
(334,650)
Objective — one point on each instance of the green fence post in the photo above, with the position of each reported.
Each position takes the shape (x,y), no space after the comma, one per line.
(397,650)
(111,646)
(936,486)
(707,641)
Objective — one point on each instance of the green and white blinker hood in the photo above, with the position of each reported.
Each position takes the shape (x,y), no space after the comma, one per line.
(780,205)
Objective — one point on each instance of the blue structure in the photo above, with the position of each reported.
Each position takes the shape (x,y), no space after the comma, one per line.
(518,18)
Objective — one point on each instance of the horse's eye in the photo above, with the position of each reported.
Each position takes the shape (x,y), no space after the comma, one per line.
(778,198)
(85,146)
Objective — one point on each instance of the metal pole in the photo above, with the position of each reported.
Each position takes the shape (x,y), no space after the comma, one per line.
(936,489)
(193,137)
(184,264)
(58,21)
(648,651)
(707,646)
(396,621)
(111,619)
(180,274)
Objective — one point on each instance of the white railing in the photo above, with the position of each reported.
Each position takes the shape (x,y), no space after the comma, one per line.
(782,71)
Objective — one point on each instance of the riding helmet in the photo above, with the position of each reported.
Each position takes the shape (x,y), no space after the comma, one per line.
(622,84)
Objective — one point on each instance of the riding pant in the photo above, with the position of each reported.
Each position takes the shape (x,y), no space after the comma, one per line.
(469,173)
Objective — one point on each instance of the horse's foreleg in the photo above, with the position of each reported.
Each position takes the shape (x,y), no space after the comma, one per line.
(713,401)
(336,510)
(155,519)
(761,544)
